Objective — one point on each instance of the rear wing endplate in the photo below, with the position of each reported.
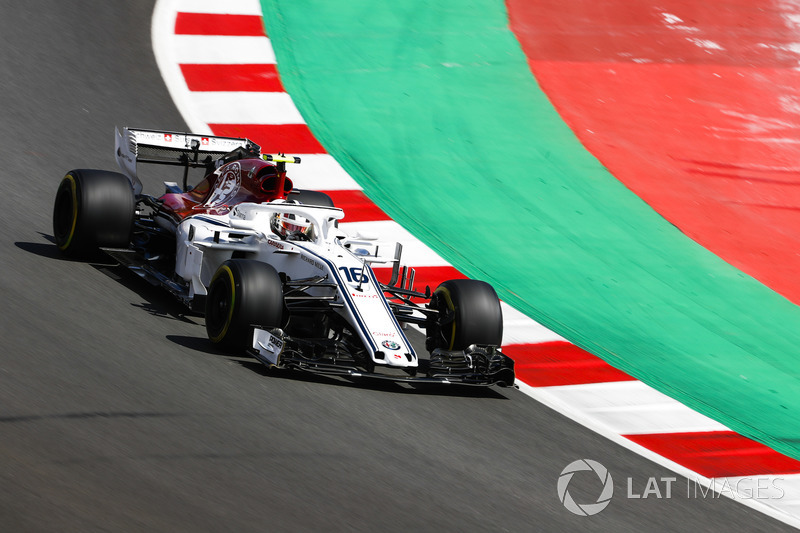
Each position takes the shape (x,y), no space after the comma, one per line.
(134,146)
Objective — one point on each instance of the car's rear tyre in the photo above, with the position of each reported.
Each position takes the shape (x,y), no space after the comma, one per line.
(93,208)
(308,197)
(243,293)
(469,313)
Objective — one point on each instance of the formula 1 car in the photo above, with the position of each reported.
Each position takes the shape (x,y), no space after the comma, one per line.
(270,268)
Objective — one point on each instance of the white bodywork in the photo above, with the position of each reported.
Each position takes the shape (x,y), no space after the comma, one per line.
(206,241)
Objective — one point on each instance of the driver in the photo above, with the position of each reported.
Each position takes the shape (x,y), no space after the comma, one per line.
(291,227)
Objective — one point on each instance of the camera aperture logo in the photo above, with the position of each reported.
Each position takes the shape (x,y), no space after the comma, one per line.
(585,509)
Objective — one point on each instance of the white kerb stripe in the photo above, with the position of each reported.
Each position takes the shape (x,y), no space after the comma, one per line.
(164,40)
(245,108)
(631,408)
(518,328)
(220,49)
(320,172)
(228,7)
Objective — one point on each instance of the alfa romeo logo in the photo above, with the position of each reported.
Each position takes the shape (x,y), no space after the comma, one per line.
(586,509)
(390,345)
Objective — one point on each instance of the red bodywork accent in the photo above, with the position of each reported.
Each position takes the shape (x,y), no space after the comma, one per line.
(246,180)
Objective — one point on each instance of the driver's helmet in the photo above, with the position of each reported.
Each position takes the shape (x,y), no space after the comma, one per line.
(292,227)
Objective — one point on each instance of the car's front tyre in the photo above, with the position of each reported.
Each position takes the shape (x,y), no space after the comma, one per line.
(243,293)
(468,313)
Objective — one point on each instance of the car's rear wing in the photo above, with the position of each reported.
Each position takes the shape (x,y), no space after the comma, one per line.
(172,148)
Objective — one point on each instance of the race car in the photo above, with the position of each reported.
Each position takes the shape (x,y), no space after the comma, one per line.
(270,268)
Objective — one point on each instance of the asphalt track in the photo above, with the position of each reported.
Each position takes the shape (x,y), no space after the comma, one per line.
(116,415)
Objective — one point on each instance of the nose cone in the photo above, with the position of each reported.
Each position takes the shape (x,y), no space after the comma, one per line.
(398,359)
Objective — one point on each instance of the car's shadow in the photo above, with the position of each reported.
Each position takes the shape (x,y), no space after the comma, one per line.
(49,250)
(160,303)
(154,300)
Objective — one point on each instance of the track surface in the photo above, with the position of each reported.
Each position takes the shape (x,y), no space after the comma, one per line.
(115,414)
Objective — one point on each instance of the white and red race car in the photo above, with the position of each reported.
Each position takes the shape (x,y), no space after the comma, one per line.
(271,270)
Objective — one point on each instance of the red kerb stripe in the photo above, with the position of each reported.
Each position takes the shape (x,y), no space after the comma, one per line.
(213,24)
(560,363)
(248,78)
(718,453)
(284,138)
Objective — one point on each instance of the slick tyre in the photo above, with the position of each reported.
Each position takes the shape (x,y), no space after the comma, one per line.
(469,313)
(93,208)
(243,293)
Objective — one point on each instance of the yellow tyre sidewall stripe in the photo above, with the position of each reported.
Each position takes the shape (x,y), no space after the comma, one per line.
(449,301)
(223,271)
(74,189)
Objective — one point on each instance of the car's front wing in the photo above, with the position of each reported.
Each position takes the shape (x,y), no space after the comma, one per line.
(477,365)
